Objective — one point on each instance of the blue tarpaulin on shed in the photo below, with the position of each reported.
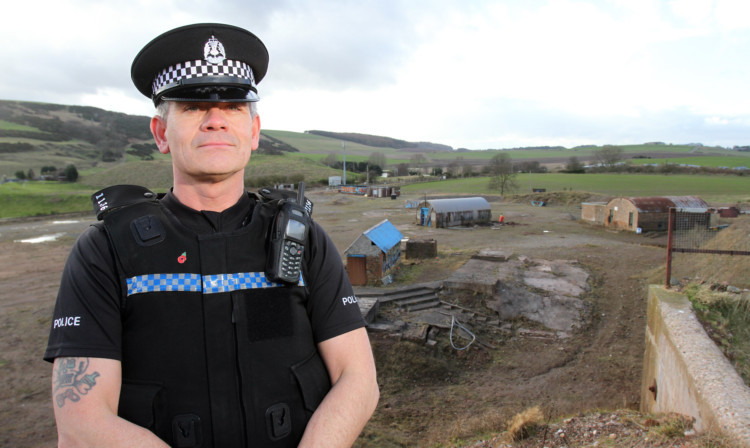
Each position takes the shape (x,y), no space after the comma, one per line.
(384,235)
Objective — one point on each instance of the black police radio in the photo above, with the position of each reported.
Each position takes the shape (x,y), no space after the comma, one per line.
(287,242)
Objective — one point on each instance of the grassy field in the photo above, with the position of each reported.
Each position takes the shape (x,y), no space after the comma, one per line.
(265,169)
(731,161)
(319,147)
(324,145)
(719,189)
(8,126)
(43,198)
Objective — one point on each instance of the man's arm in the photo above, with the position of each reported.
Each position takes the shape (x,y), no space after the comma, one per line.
(85,394)
(350,403)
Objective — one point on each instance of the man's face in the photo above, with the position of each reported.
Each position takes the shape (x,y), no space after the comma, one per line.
(208,141)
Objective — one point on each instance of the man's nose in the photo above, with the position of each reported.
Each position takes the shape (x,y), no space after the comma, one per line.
(214,119)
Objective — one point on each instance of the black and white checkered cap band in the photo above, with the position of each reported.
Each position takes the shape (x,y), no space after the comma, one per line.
(196,69)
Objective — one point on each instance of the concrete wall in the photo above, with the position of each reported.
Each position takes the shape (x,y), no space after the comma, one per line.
(593,211)
(685,372)
(426,248)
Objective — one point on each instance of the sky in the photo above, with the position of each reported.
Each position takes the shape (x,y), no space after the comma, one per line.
(475,74)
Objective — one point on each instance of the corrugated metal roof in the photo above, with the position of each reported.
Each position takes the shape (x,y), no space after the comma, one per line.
(385,235)
(662,204)
(459,204)
(688,202)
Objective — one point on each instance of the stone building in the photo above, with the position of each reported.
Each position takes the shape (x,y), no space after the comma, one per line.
(643,214)
(373,255)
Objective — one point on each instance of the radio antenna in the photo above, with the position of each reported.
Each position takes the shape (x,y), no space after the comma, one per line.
(301,194)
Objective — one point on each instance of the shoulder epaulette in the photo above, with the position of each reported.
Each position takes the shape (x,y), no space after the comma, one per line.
(118,196)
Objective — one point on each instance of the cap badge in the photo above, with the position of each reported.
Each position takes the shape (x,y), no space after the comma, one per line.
(213,51)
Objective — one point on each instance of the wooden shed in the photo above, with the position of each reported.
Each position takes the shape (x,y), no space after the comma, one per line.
(454,212)
(374,254)
(648,213)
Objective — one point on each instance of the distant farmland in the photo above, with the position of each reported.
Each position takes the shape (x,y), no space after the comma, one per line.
(715,189)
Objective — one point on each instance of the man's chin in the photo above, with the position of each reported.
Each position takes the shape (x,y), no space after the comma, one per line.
(215,176)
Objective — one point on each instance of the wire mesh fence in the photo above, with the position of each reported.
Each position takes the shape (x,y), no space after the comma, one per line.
(695,236)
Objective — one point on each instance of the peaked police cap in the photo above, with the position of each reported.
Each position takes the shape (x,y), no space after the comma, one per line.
(201,62)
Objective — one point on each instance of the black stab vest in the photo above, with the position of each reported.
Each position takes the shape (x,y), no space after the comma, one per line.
(213,355)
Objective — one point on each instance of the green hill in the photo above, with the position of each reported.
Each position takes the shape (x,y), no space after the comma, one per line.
(108,147)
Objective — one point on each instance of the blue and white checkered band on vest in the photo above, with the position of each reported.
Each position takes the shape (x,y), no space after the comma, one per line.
(173,74)
(207,284)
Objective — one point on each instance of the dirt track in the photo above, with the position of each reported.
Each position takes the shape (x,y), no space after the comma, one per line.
(439,393)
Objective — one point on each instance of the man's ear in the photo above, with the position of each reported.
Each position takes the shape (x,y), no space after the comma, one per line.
(159,131)
(256,133)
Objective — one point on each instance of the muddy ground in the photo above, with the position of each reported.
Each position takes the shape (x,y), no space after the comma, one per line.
(430,394)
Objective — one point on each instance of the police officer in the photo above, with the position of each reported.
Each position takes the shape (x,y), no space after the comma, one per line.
(167,329)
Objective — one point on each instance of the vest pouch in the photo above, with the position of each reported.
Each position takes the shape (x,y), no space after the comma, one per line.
(142,404)
(313,380)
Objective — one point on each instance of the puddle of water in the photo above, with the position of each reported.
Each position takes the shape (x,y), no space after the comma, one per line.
(64,222)
(40,239)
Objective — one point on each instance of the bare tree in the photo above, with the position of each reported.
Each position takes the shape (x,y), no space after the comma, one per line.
(331,159)
(402,169)
(502,176)
(452,170)
(378,158)
(574,166)
(608,156)
(467,170)
(418,159)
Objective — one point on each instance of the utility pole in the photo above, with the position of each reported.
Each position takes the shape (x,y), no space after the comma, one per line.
(531,189)
(343,145)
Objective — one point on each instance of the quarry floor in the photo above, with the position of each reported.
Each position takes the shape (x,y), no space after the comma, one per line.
(430,395)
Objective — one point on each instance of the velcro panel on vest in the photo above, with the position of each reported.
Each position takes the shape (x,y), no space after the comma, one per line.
(269,317)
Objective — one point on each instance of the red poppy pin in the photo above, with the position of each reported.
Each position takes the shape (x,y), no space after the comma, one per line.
(182,258)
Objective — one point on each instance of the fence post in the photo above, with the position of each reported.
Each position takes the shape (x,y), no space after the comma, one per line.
(670,240)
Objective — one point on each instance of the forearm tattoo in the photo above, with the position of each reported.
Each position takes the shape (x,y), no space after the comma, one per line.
(71,379)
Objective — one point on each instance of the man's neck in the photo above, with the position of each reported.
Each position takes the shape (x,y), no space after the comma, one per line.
(215,197)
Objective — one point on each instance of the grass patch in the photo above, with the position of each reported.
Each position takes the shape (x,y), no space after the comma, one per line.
(323,145)
(263,169)
(729,161)
(8,126)
(43,198)
(524,424)
(724,189)
(726,318)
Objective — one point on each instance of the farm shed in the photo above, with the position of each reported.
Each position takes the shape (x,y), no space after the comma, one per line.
(593,211)
(648,213)
(383,191)
(728,212)
(373,254)
(453,212)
